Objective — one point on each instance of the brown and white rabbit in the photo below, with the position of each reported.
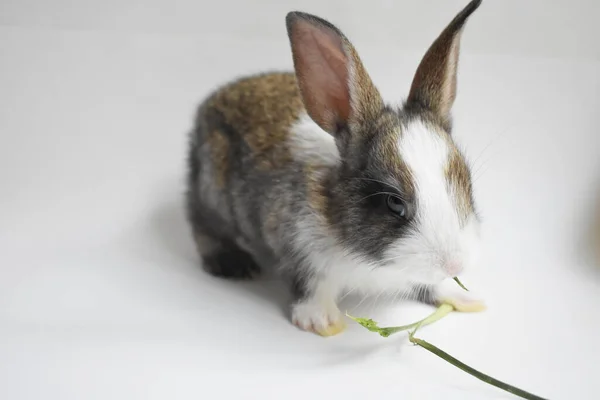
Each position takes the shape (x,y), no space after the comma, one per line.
(312,171)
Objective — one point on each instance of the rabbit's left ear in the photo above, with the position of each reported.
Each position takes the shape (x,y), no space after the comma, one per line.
(335,86)
(434,84)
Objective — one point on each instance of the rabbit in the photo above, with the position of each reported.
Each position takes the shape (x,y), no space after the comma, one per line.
(311,170)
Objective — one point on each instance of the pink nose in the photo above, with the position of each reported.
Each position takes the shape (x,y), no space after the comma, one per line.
(453,268)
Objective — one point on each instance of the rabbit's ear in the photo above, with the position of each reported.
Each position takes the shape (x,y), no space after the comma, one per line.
(335,87)
(434,84)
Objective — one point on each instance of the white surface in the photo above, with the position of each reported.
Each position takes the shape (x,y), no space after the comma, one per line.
(101,296)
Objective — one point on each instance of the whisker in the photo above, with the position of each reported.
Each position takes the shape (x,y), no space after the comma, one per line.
(362,301)
(375,301)
(493,140)
(398,292)
(479,175)
(347,293)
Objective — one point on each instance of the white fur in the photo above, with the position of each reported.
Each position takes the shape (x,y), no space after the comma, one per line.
(310,143)
(339,268)
(336,270)
(441,247)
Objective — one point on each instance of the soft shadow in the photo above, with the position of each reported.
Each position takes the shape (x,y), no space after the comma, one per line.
(172,232)
(590,241)
(595,234)
(356,353)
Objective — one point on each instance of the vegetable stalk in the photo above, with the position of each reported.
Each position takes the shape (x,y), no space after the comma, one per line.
(472,371)
(440,313)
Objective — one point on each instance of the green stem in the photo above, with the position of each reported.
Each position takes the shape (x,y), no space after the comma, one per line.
(371,325)
(460,283)
(438,314)
(479,375)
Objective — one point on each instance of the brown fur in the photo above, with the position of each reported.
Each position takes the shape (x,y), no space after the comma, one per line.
(434,84)
(459,180)
(366,99)
(261,108)
(220,156)
(315,188)
(458,175)
(389,149)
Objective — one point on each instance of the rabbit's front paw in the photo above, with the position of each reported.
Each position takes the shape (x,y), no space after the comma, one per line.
(323,319)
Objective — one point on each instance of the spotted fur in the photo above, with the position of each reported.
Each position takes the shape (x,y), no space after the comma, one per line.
(301,170)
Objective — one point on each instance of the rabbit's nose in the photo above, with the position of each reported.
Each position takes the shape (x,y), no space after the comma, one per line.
(453,267)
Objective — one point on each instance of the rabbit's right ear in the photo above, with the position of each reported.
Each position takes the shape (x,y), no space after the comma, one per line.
(334,85)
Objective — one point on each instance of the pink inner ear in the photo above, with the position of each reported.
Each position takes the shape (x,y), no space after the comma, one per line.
(322,69)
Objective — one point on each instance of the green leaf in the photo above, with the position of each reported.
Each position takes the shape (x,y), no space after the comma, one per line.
(372,326)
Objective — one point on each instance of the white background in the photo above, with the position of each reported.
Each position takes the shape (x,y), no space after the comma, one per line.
(101,294)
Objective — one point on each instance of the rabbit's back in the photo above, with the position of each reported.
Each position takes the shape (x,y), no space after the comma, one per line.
(254,116)
(245,177)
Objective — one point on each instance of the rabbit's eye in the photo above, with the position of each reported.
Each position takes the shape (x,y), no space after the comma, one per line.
(396,206)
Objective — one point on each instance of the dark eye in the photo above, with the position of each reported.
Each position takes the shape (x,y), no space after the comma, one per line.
(396,206)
